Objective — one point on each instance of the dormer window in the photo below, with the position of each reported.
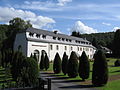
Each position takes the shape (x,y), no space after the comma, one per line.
(86,42)
(54,38)
(59,38)
(70,40)
(44,36)
(63,39)
(66,39)
(38,35)
(31,34)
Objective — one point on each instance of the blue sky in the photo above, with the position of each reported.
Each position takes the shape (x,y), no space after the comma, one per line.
(85,16)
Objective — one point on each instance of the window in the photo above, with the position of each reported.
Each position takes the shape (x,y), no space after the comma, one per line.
(51,47)
(78,48)
(70,40)
(66,39)
(54,38)
(43,36)
(65,47)
(63,39)
(31,34)
(59,38)
(38,35)
(57,47)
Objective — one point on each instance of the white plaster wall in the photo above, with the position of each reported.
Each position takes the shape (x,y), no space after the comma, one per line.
(21,40)
(32,46)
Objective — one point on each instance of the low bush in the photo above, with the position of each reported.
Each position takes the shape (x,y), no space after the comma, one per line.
(117,62)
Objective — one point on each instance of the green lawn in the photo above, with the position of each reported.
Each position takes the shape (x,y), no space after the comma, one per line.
(112,70)
(5,78)
(114,85)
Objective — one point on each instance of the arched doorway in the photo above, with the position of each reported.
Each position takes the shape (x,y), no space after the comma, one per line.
(37,54)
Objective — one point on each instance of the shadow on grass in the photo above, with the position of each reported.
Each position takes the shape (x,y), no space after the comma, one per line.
(78,86)
(67,81)
(115,71)
(46,73)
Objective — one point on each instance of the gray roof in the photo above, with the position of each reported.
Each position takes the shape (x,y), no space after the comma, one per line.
(50,33)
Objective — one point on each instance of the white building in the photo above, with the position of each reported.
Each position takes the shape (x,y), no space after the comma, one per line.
(36,41)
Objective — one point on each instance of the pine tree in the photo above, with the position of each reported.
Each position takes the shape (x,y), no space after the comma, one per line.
(100,69)
(57,64)
(64,63)
(42,62)
(73,65)
(35,57)
(46,62)
(84,66)
(116,44)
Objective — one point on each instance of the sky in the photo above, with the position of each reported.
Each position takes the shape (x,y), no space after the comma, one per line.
(85,16)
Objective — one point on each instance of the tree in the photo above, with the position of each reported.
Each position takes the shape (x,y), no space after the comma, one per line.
(17,64)
(42,62)
(46,62)
(15,25)
(73,65)
(116,44)
(29,72)
(57,64)
(0,59)
(35,57)
(95,43)
(100,69)
(64,63)
(84,66)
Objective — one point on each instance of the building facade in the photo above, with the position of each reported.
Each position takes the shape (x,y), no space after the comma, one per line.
(37,41)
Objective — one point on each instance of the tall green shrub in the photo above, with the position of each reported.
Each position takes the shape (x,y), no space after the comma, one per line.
(116,44)
(46,62)
(73,65)
(84,66)
(64,63)
(30,72)
(42,62)
(100,69)
(17,64)
(57,64)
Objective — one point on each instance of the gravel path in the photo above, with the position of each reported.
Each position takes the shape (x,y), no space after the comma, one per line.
(59,83)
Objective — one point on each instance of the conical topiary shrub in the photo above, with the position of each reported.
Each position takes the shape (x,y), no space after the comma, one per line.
(46,62)
(42,62)
(84,66)
(72,68)
(57,64)
(64,63)
(100,69)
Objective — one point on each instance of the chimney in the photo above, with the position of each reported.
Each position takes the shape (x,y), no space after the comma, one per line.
(55,32)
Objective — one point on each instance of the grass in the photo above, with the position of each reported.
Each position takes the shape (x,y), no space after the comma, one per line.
(112,70)
(5,78)
(114,85)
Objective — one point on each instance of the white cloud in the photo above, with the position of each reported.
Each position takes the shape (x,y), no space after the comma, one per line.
(107,24)
(115,28)
(63,2)
(44,5)
(82,28)
(7,14)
